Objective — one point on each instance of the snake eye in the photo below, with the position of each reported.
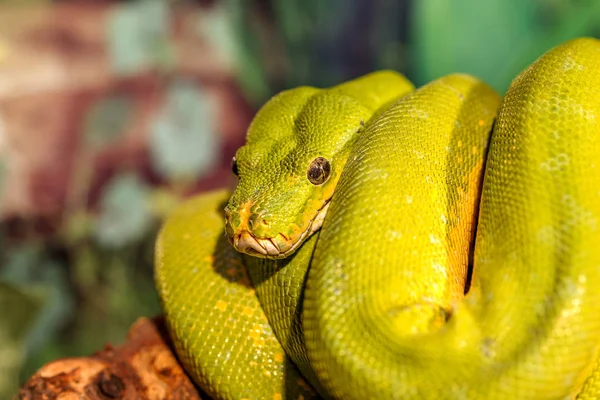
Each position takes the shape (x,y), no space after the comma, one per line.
(318,171)
(234,166)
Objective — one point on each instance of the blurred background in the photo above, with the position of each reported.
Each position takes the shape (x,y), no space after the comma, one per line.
(113,112)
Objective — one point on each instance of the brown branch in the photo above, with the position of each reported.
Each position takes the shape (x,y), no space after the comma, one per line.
(144,367)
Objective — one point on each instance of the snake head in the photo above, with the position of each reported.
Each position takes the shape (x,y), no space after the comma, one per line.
(295,151)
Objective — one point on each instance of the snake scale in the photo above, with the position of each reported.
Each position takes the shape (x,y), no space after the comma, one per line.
(391,243)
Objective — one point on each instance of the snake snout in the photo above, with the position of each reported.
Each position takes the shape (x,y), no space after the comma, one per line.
(259,224)
(249,232)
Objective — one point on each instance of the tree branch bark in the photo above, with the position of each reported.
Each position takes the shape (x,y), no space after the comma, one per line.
(144,367)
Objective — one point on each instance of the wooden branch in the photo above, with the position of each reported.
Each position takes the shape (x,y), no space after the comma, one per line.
(144,367)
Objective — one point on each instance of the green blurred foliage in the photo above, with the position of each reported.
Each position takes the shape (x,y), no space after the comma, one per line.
(138,37)
(495,39)
(13,332)
(43,283)
(124,213)
(84,286)
(183,137)
(322,43)
(106,120)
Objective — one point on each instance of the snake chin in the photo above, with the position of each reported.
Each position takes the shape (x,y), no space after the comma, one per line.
(279,246)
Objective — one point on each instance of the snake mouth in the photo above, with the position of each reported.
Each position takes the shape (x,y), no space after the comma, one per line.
(279,246)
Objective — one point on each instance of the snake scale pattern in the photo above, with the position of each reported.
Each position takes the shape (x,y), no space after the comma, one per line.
(387,242)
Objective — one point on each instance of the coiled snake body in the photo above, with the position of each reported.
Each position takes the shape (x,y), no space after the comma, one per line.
(388,243)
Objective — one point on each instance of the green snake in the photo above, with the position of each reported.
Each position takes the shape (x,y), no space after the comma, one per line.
(389,243)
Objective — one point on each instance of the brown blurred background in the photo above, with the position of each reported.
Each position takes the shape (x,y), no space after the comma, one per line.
(112,112)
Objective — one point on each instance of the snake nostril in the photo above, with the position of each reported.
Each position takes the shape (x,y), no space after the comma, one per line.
(258,221)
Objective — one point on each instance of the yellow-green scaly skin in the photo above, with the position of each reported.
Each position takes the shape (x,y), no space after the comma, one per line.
(373,305)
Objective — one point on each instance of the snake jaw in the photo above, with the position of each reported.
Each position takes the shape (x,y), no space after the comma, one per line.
(277,247)
(245,242)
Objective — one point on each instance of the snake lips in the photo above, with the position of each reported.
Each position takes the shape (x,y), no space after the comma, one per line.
(245,239)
